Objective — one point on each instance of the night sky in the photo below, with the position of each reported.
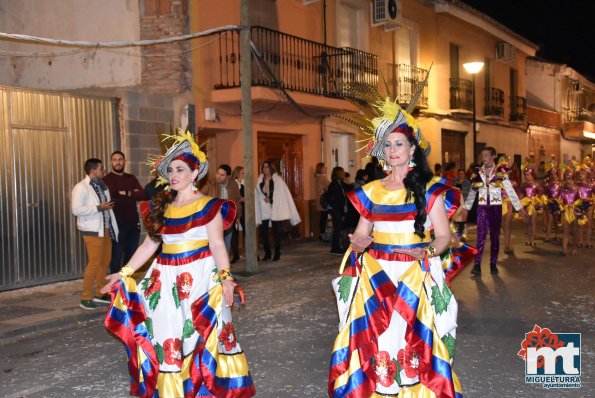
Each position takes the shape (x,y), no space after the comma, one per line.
(563,30)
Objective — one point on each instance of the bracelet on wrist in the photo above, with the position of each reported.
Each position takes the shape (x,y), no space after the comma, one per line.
(225,274)
(126,271)
(431,251)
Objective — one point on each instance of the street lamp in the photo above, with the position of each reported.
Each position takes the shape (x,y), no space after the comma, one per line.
(473,68)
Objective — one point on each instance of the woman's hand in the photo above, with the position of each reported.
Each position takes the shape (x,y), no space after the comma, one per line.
(111,279)
(359,242)
(416,252)
(228,288)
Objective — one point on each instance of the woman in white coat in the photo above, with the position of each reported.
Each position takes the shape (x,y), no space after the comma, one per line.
(274,204)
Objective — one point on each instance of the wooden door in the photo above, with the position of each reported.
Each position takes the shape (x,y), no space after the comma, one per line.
(453,148)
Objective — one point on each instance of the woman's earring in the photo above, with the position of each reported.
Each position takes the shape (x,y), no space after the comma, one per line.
(411,164)
(194,189)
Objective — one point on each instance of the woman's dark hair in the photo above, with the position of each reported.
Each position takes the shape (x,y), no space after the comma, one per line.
(272,166)
(360,175)
(338,173)
(319,167)
(415,181)
(154,220)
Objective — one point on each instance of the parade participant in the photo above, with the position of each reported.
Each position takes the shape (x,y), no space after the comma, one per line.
(176,325)
(503,169)
(569,198)
(464,185)
(530,194)
(488,187)
(553,207)
(274,206)
(397,315)
(586,194)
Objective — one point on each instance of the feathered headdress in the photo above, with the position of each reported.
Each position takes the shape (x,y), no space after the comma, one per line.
(183,148)
(527,167)
(377,117)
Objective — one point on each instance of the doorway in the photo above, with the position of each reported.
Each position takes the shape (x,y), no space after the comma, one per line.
(453,148)
(285,152)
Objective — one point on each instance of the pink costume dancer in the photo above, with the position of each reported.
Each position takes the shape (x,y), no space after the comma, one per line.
(504,168)
(569,198)
(489,210)
(530,194)
(585,209)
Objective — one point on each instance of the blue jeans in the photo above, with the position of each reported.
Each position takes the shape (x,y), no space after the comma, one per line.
(124,248)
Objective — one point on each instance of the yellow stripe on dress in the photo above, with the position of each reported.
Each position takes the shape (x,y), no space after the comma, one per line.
(174,248)
(188,210)
(399,238)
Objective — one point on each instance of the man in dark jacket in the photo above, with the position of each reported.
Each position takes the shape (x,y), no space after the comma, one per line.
(125,190)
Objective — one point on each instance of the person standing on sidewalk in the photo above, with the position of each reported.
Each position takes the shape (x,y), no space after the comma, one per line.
(95,219)
(321,182)
(237,177)
(125,190)
(337,208)
(488,186)
(222,187)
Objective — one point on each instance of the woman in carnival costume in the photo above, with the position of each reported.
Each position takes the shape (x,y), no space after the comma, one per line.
(553,204)
(531,200)
(569,200)
(585,210)
(176,324)
(397,314)
(504,169)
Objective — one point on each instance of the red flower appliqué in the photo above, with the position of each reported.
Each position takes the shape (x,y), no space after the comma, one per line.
(154,283)
(228,336)
(173,352)
(184,284)
(538,338)
(411,362)
(384,368)
(370,145)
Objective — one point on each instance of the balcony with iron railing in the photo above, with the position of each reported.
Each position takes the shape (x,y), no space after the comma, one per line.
(461,95)
(518,109)
(285,61)
(579,115)
(494,103)
(406,80)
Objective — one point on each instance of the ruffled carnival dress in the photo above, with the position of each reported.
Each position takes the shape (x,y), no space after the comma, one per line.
(397,315)
(178,335)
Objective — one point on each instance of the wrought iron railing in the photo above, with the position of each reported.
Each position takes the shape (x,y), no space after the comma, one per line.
(579,115)
(494,102)
(296,64)
(406,81)
(518,109)
(461,94)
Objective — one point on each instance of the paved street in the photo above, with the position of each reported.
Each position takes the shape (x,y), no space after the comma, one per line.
(288,325)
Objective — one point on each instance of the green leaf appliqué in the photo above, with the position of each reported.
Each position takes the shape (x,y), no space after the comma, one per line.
(154,300)
(174,292)
(449,342)
(149,326)
(438,300)
(398,373)
(160,353)
(345,287)
(188,329)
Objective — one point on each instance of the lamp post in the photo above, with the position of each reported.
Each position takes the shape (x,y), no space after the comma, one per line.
(473,68)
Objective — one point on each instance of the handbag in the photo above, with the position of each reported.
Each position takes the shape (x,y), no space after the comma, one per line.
(344,287)
(286,226)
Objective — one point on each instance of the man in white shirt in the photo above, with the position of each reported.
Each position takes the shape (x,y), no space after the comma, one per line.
(92,206)
(489,207)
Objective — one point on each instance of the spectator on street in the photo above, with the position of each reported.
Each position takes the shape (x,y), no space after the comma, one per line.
(95,219)
(237,176)
(321,182)
(125,190)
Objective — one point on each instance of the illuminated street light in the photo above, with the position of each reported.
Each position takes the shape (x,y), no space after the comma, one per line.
(473,68)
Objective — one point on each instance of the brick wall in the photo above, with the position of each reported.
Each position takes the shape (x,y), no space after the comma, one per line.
(542,117)
(144,114)
(165,69)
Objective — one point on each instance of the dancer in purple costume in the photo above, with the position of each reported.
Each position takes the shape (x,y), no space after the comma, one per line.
(586,193)
(489,209)
(530,194)
(553,205)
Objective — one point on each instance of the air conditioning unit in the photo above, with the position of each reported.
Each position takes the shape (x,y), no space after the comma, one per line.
(505,52)
(385,12)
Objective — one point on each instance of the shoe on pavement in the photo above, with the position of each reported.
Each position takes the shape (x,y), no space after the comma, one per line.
(493,270)
(105,299)
(87,305)
(476,271)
